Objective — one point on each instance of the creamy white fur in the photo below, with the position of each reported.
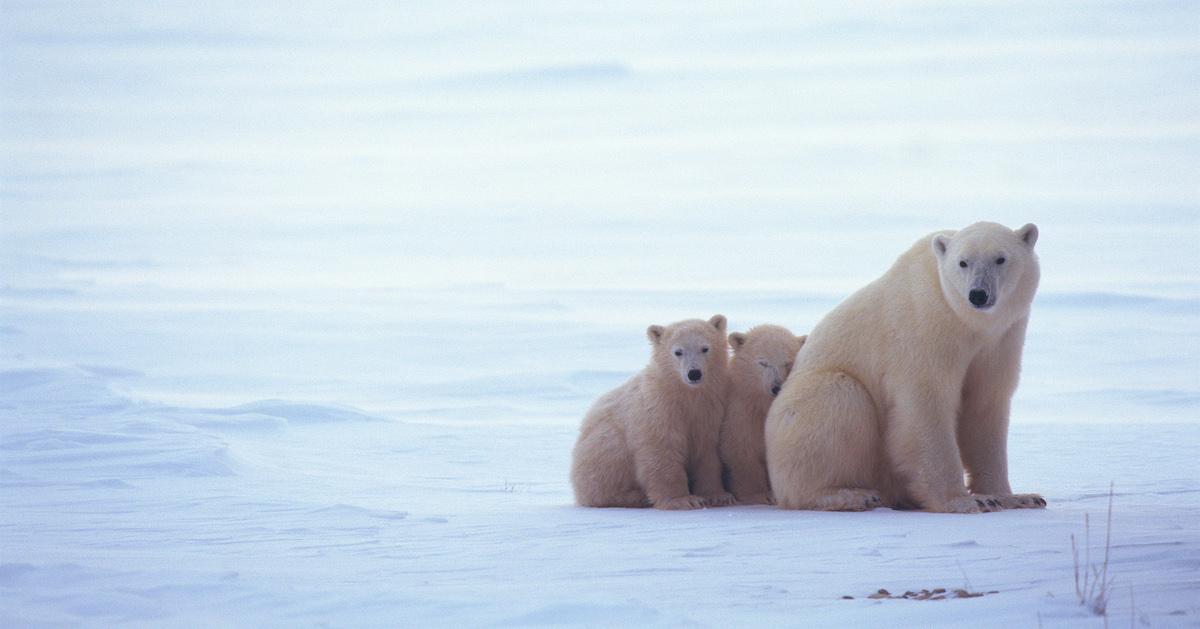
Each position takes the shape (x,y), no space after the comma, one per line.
(653,440)
(907,384)
(761,361)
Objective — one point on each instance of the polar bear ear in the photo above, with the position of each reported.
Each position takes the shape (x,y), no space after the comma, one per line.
(737,340)
(654,333)
(718,322)
(940,244)
(1028,234)
(802,338)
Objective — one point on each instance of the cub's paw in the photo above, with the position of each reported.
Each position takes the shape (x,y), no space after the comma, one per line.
(680,503)
(719,500)
(1022,501)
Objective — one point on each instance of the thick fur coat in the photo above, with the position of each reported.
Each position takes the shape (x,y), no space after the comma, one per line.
(906,385)
(653,440)
(761,361)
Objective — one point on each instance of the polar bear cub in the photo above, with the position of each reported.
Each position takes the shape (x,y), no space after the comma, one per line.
(653,440)
(906,385)
(761,361)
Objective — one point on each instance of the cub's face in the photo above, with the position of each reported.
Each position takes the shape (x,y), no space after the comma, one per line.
(985,265)
(763,357)
(694,350)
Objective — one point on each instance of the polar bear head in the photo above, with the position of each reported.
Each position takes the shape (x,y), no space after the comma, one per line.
(694,350)
(763,357)
(987,269)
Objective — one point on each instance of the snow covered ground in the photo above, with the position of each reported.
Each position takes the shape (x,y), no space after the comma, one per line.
(299,311)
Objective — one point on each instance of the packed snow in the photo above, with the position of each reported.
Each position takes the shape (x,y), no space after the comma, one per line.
(300,309)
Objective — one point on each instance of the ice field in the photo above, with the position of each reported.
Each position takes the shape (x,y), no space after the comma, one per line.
(300,309)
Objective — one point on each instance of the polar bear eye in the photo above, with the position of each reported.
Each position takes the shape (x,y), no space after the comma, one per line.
(679,352)
(704,350)
(1000,260)
(962,263)
(762,363)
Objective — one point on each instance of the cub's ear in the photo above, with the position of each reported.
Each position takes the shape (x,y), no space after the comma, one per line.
(1028,234)
(654,333)
(940,244)
(802,338)
(718,322)
(737,340)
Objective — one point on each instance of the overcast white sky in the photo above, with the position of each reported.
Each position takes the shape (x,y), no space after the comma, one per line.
(796,145)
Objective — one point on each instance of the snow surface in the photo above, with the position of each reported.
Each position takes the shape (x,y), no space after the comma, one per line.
(300,309)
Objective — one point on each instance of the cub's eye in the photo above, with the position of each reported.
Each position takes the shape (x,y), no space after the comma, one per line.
(1000,260)
(762,363)
(704,350)
(679,352)
(962,263)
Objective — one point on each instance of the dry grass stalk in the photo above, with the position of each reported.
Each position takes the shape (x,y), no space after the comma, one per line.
(1093,590)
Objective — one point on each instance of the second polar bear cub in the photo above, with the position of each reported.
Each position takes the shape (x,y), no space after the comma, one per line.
(762,359)
(907,383)
(653,440)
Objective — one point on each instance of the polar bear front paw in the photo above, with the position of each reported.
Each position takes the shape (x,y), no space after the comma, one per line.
(681,503)
(719,500)
(975,503)
(1022,501)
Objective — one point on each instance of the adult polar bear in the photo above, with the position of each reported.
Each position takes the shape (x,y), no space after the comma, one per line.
(908,382)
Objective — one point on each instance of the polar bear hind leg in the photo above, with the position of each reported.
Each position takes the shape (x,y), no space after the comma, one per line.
(823,444)
(602,471)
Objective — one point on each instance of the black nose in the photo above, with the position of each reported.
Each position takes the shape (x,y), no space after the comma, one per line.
(694,375)
(978,297)
(775,390)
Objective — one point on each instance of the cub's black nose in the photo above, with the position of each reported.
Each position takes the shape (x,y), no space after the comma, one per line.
(978,297)
(694,375)
(775,390)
